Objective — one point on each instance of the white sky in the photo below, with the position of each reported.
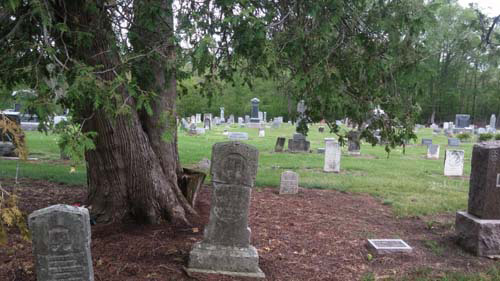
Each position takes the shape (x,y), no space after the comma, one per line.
(489,7)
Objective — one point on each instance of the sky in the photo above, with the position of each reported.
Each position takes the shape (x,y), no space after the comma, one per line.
(489,7)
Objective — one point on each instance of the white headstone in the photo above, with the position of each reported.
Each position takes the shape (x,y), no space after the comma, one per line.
(454,162)
(262,132)
(332,156)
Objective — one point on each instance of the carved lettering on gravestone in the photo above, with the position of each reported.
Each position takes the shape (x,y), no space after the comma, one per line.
(289,183)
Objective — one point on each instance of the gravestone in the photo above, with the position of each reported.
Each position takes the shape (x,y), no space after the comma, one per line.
(237,136)
(454,163)
(436,131)
(280,144)
(301,109)
(200,131)
(241,120)
(298,143)
(61,243)
(230,120)
(462,120)
(216,120)
(332,156)
(321,129)
(261,116)
(198,118)
(247,119)
(222,114)
(255,111)
(193,119)
(265,117)
(184,124)
(289,183)
(275,124)
(226,248)
(320,150)
(453,142)
(262,132)
(493,123)
(426,141)
(208,124)
(433,151)
(478,229)
(446,126)
(387,246)
(481,131)
(354,143)
(434,126)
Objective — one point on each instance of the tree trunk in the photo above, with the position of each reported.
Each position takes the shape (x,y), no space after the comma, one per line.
(133,171)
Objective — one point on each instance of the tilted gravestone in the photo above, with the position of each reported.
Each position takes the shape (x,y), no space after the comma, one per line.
(298,143)
(332,156)
(478,229)
(433,151)
(280,144)
(454,163)
(289,183)
(226,248)
(426,141)
(61,243)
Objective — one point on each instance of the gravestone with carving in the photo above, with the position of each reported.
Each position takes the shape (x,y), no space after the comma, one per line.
(226,248)
(478,229)
(454,163)
(61,243)
(289,183)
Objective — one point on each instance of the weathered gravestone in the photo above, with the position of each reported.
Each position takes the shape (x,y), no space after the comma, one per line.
(226,248)
(426,141)
(237,136)
(462,120)
(454,163)
(493,123)
(453,142)
(61,243)
(388,246)
(247,119)
(332,156)
(241,120)
(275,124)
(262,132)
(289,183)
(353,143)
(255,111)
(184,124)
(478,229)
(208,124)
(298,143)
(321,129)
(433,151)
(280,144)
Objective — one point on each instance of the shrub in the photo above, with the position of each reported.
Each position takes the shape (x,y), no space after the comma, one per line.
(485,137)
(464,137)
(497,137)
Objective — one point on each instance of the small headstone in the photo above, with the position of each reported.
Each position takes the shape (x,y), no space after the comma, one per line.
(354,143)
(198,118)
(280,144)
(436,131)
(275,124)
(388,246)
(453,142)
(321,129)
(184,124)
(446,126)
(434,126)
(289,183)
(426,141)
(238,136)
(433,151)
(298,143)
(247,119)
(208,124)
(241,120)
(226,248)
(321,150)
(454,163)
(255,111)
(332,156)
(61,243)
(462,120)
(230,120)
(262,132)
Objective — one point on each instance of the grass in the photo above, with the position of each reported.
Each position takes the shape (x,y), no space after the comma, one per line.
(408,182)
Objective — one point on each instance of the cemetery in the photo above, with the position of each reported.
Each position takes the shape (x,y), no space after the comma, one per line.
(249,140)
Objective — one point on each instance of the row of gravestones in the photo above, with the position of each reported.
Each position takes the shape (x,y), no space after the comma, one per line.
(61,233)
(453,158)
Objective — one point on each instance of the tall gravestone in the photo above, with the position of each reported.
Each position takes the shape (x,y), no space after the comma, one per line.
(332,156)
(462,120)
(280,144)
(255,111)
(301,109)
(207,123)
(222,114)
(478,229)
(493,123)
(289,183)
(354,143)
(226,248)
(454,163)
(61,243)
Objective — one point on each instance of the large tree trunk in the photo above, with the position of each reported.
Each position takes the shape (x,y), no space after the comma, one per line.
(133,171)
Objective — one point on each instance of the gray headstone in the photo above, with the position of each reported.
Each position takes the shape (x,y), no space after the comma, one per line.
(255,111)
(241,120)
(386,246)
(426,141)
(481,131)
(298,143)
(462,120)
(433,151)
(222,114)
(320,150)
(484,190)
(237,136)
(321,129)
(493,122)
(226,248)
(453,142)
(301,109)
(184,124)
(353,143)
(208,123)
(198,118)
(275,124)
(332,156)
(454,163)
(61,243)
(247,119)
(289,183)
(280,144)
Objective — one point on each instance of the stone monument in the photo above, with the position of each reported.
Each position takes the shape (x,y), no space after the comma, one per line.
(453,142)
(433,151)
(262,132)
(332,156)
(354,143)
(426,141)
(298,143)
(255,111)
(289,183)
(462,120)
(198,118)
(478,229)
(226,248)
(454,163)
(61,243)
(280,144)
(222,114)
(493,123)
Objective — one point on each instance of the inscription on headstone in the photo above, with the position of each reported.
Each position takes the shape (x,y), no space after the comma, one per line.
(61,243)
(454,163)
(226,248)
(289,183)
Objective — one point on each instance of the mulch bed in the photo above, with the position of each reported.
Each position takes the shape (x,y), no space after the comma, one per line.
(314,235)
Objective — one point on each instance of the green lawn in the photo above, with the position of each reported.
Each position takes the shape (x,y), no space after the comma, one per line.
(410,183)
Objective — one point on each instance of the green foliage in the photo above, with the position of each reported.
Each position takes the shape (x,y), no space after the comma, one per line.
(464,137)
(11,216)
(485,137)
(497,137)
(73,142)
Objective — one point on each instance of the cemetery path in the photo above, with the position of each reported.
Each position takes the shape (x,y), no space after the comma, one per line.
(314,235)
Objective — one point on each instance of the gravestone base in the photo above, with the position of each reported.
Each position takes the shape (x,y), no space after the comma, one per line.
(254,125)
(478,236)
(216,259)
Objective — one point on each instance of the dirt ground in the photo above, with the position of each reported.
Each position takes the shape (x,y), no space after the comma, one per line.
(314,235)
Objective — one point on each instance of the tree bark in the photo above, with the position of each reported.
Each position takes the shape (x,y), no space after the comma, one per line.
(133,171)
